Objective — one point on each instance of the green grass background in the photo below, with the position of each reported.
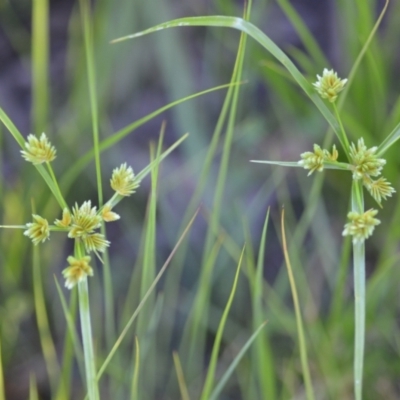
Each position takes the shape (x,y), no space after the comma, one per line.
(267,117)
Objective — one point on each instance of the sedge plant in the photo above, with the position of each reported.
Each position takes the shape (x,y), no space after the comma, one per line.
(80,223)
(364,163)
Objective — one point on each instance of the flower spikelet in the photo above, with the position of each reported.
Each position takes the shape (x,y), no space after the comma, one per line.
(314,161)
(38,231)
(37,150)
(84,220)
(331,156)
(108,215)
(123,180)
(379,189)
(365,161)
(95,242)
(65,221)
(329,85)
(78,270)
(361,226)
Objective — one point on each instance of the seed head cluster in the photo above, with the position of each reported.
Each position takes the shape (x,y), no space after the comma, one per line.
(314,161)
(329,85)
(80,222)
(37,150)
(361,226)
(365,164)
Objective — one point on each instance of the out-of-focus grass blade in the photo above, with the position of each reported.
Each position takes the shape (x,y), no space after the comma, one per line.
(360,56)
(91,72)
(299,321)
(304,33)
(40,61)
(48,348)
(195,331)
(72,173)
(180,376)
(33,390)
(209,381)
(153,163)
(148,270)
(135,378)
(144,299)
(391,139)
(2,388)
(260,37)
(262,349)
(222,382)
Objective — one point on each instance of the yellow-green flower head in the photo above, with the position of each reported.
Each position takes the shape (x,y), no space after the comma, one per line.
(65,221)
(84,220)
(329,85)
(78,270)
(38,231)
(379,189)
(95,242)
(108,215)
(361,226)
(314,161)
(123,180)
(365,162)
(37,150)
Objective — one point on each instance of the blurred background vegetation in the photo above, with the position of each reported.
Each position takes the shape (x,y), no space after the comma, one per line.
(274,121)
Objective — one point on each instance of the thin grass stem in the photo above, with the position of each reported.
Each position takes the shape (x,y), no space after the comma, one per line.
(57,188)
(181,378)
(299,321)
(86,330)
(357,205)
(342,133)
(135,378)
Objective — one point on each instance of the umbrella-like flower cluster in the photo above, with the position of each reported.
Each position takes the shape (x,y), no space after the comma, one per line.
(81,222)
(366,165)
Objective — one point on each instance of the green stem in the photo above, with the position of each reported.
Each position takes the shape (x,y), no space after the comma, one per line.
(342,133)
(357,205)
(54,179)
(86,330)
(359,297)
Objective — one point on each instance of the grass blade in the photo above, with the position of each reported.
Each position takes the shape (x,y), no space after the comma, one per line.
(299,321)
(48,348)
(205,395)
(72,173)
(144,299)
(135,378)
(181,378)
(222,382)
(40,61)
(247,27)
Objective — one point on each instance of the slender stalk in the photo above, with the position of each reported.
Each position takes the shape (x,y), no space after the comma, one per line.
(342,133)
(357,204)
(299,320)
(86,330)
(359,298)
(54,179)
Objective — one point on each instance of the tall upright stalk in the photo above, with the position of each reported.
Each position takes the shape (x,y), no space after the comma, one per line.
(357,205)
(86,328)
